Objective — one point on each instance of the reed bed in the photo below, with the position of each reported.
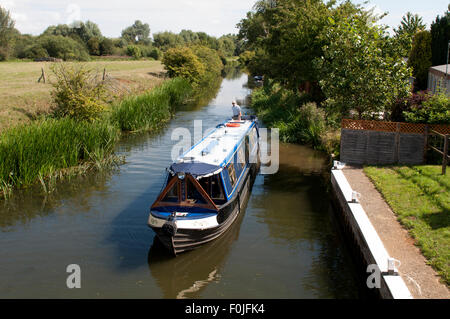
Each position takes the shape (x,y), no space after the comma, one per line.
(37,150)
(150,110)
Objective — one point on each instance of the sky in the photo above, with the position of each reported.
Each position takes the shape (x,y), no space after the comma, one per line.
(215,17)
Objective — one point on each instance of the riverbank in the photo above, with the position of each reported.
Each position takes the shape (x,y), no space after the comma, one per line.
(420,278)
(24,99)
(36,151)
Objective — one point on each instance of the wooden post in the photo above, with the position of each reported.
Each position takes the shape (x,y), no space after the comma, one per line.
(42,77)
(104,74)
(397,144)
(425,147)
(445,158)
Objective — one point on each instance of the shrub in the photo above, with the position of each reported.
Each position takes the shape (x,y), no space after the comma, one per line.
(78,92)
(406,104)
(59,47)
(182,62)
(435,110)
(134,51)
(155,53)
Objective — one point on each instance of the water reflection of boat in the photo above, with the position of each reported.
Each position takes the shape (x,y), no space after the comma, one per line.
(189,274)
(207,187)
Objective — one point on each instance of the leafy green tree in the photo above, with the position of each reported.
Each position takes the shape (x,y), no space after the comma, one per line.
(409,26)
(182,62)
(137,33)
(134,51)
(420,59)
(440,36)
(290,34)
(227,45)
(361,69)
(166,40)
(57,47)
(106,46)
(7,32)
(93,46)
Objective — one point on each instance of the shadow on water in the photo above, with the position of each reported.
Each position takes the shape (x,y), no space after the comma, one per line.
(188,274)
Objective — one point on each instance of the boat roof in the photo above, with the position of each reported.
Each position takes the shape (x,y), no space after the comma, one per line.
(214,151)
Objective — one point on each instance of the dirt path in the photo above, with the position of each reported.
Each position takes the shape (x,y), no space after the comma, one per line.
(421,279)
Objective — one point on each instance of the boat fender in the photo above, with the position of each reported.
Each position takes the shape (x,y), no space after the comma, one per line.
(170,227)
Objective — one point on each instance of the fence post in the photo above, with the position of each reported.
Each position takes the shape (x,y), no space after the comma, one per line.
(425,144)
(445,158)
(397,144)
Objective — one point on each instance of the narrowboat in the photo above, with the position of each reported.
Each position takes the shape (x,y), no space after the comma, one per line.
(207,187)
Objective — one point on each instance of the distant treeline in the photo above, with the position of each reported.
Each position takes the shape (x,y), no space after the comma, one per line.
(82,40)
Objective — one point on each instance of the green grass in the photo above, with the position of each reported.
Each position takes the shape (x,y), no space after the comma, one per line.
(150,110)
(420,196)
(37,150)
(22,97)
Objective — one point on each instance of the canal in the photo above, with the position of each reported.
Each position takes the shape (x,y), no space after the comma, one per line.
(286,244)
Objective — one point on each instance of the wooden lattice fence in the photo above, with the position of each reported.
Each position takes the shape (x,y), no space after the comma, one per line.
(376,142)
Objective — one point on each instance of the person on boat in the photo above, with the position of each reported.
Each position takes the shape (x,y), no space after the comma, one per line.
(236,111)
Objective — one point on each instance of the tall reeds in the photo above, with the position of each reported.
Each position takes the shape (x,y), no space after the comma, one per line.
(36,150)
(150,110)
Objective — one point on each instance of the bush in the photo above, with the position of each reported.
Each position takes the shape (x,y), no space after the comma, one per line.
(406,104)
(134,51)
(182,62)
(106,46)
(435,110)
(78,92)
(59,47)
(155,53)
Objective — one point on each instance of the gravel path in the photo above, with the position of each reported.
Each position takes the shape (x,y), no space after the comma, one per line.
(421,279)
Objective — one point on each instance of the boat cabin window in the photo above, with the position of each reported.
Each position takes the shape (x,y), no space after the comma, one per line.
(193,196)
(172,194)
(232,174)
(213,187)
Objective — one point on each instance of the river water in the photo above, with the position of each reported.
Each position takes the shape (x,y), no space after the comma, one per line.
(286,244)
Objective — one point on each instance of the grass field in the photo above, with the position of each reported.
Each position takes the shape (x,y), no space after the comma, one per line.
(22,97)
(420,196)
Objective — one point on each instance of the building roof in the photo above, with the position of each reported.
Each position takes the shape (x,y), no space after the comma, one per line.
(441,68)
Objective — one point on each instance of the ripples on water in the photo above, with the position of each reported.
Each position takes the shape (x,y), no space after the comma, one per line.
(286,245)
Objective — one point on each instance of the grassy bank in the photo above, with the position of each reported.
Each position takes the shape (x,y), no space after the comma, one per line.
(420,196)
(35,151)
(23,97)
(150,110)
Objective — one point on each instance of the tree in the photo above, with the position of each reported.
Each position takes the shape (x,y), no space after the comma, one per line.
(440,36)
(7,32)
(361,69)
(137,33)
(290,35)
(409,26)
(93,46)
(182,62)
(420,59)
(166,40)
(106,46)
